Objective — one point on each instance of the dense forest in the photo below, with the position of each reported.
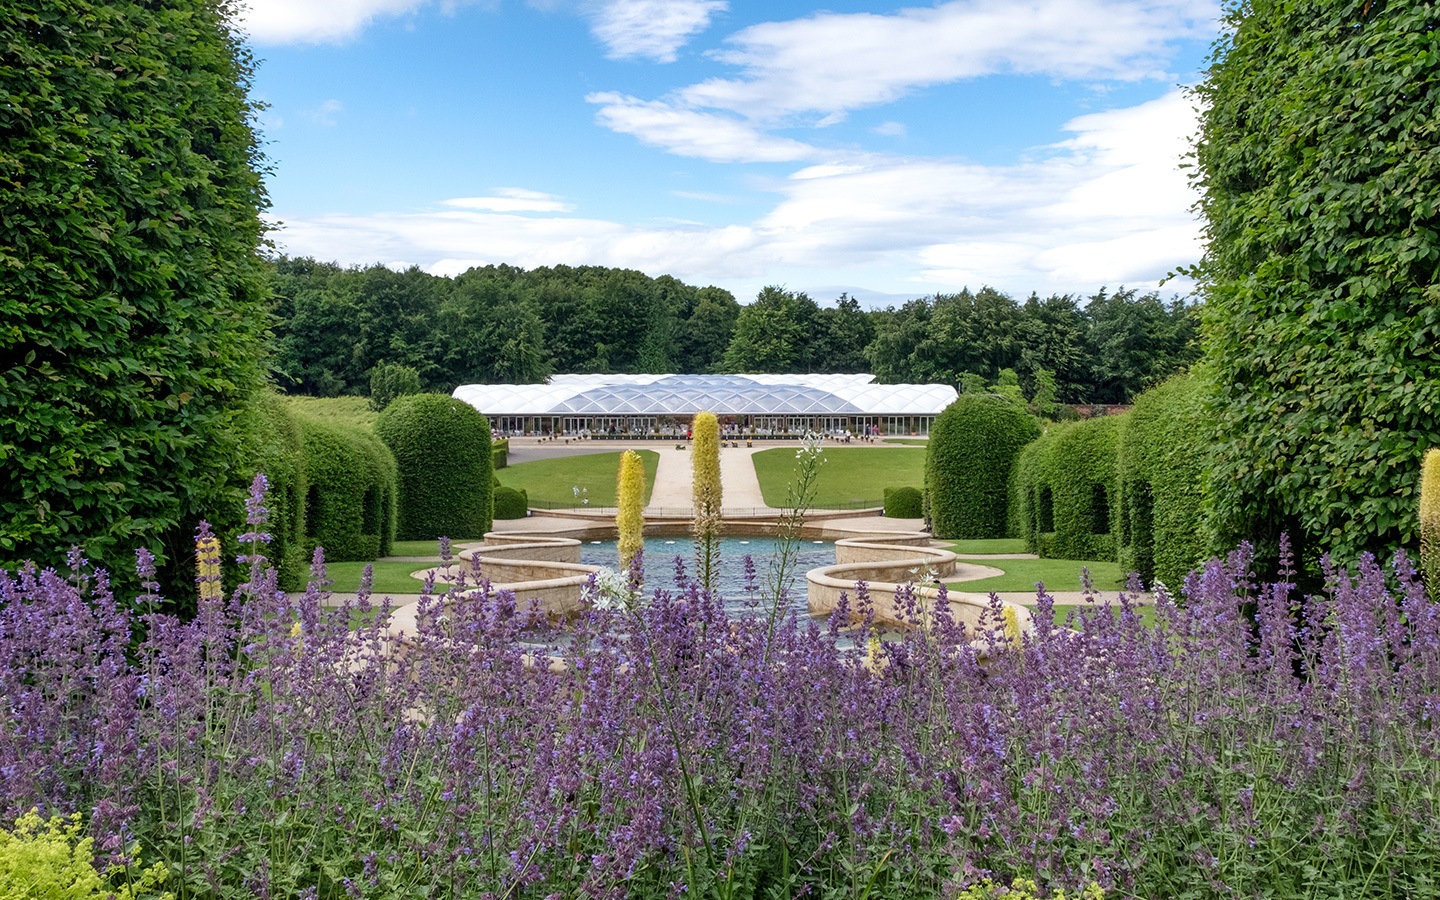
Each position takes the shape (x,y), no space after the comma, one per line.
(502,324)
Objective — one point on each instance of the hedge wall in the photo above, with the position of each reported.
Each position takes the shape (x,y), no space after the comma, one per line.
(511,503)
(1162,451)
(973,445)
(442,448)
(1023,511)
(903,503)
(500,453)
(278,450)
(1069,485)
(350,493)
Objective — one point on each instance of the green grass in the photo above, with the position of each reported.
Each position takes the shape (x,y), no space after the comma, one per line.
(354,411)
(1147,613)
(552,481)
(390,577)
(1057,575)
(850,477)
(996,545)
(429,549)
(914,442)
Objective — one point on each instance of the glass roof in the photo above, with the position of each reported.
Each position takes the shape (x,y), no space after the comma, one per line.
(681,395)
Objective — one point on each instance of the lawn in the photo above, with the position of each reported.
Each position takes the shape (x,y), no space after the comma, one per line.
(1146,613)
(390,577)
(994,545)
(851,478)
(551,482)
(1056,574)
(913,442)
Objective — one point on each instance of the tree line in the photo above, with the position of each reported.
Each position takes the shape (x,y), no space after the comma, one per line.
(502,324)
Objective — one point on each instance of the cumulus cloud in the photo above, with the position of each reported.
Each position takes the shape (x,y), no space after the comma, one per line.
(831,62)
(318,21)
(652,29)
(1106,205)
(689,132)
(512,200)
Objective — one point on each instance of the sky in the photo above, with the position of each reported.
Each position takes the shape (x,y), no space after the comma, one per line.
(883,150)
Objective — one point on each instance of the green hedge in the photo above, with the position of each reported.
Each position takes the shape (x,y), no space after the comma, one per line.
(973,445)
(903,503)
(1067,487)
(1162,452)
(442,447)
(389,381)
(350,495)
(278,450)
(511,503)
(500,453)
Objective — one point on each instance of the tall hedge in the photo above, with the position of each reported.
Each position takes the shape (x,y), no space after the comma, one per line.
(972,447)
(278,450)
(1067,485)
(1319,170)
(350,492)
(1161,462)
(442,448)
(132,307)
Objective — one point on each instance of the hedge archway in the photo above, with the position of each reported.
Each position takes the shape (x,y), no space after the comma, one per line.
(350,500)
(442,449)
(973,446)
(1066,488)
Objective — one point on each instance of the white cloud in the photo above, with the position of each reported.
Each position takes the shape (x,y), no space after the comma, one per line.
(653,29)
(831,62)
(319,21)
(1105,206)
(512,200)
(688,132)
(890,129)
(325,114)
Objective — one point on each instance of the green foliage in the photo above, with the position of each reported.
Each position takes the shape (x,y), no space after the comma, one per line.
(388,381)
(133,311)
(500,453)
(350,494)
(442,448)
(1321,193)
(1161,463)
(49,860)
(772,333)
(1024,889)
(510,503)
(903,503)
(1067,483)
(973,445)
(279,452)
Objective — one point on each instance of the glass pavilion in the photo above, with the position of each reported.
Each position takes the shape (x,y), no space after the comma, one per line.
(662,406)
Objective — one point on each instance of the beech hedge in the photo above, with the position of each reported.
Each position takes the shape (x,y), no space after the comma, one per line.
(350,492)
(278,448)
(442,448)
(511,503)
(1162,453)
(1066,483)
(973,445)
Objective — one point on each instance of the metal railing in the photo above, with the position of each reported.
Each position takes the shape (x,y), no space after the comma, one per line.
(687,512)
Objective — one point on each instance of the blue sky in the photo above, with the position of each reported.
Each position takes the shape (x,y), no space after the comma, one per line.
(891,151)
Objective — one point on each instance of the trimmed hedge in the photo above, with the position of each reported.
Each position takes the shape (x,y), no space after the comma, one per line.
(973,445)
(350,496)
(903,503)
(1162,452)
(511,503)
(500,453)
(389,381)
(1069,485)
(442,448)
(278,450)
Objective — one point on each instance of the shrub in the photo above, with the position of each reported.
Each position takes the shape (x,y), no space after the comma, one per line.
(500,453)
(350,492)
(972,448)
(49,860)
(389,381)
(903,503)
(510,503)
(1161,457)
(279,452)
(1066,482)
(133,309)
(442,448)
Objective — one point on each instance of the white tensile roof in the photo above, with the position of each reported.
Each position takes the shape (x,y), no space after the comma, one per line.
(683,395)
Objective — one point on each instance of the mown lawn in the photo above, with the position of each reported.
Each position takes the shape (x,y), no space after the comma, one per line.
(1056,574)
(551,482)
(851,477)
(993,545)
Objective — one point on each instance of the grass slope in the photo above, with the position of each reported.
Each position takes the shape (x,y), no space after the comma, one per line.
(850,478)
(552,481)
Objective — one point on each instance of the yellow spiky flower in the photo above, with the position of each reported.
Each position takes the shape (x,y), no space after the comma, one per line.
(630,503)
(207,566)
(705,468)
(1013,632)
(1430,521)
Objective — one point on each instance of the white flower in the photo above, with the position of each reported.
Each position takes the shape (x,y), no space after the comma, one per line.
(609,589)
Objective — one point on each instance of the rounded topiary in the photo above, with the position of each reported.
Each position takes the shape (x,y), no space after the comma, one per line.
(1161,459)
(1031,508)
(511,503)
(972,447)
(1084,481)
(278,448)
(350,495)
(903,503)
(442,447)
